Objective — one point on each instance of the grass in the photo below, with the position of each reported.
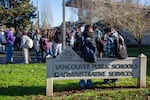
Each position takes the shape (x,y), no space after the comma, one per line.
(27,82)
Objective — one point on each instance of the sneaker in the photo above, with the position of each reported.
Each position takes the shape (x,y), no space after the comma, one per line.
(89,83)
(106,81)
(82,83)
(48,56)
(54,56)
(8,62)
(114,81)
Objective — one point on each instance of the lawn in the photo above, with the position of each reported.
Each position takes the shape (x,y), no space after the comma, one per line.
(27,82)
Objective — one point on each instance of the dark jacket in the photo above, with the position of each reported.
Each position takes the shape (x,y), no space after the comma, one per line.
(58,37)
(90,35)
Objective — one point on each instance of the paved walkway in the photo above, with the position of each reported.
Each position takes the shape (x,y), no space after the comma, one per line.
(17,57)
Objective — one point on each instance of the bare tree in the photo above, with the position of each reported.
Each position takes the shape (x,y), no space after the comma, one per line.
(129,14)
(35,25)
(46,15)
(135,18)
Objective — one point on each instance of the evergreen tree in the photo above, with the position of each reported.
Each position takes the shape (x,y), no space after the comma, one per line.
(17,13)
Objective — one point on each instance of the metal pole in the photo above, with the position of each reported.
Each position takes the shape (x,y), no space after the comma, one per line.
(64,25)
(38,14)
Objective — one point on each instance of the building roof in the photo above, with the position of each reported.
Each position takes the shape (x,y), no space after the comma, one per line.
(76,3)
(81,3)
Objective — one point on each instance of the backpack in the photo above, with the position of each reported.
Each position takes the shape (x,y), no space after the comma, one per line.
(89,51)
(28,43)
(120,48)
(44,44)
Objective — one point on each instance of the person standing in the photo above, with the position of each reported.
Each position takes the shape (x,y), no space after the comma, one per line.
(2,41)
(25,44)
(44,45)
(17,43)
(109,49)
(9,34)
(36,44)
(89,36)
(69,37)
(99,43)
(50,37)
(77,42)
(58,40)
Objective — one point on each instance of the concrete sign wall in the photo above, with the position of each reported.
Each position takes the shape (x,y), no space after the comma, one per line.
(68,65)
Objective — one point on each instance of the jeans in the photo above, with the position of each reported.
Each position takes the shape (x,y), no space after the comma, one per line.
(9,52)
(37,55)
(49,52)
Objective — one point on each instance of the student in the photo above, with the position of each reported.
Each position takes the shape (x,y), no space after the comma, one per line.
(26,41)
(109,49)
(99,43)
(58,40)
(44,45)
(50,34)
(9,34)
(2,41)
(89,35)
(36,44)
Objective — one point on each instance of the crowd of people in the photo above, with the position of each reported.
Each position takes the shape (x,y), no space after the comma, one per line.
(44,43)
(48,43)
(105,40)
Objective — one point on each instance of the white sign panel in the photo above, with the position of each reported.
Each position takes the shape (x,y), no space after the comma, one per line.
(69,65)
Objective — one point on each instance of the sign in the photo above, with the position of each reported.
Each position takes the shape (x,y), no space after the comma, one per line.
(101,69)
(69,65)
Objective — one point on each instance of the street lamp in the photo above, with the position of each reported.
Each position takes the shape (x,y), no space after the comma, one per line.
(64,25)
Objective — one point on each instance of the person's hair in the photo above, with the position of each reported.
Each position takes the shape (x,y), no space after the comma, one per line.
(25,32)
(58,29)
(37,31)
(44,34)
(1,29)
(12,29)
(107,29)
(87,27)
(95,27)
